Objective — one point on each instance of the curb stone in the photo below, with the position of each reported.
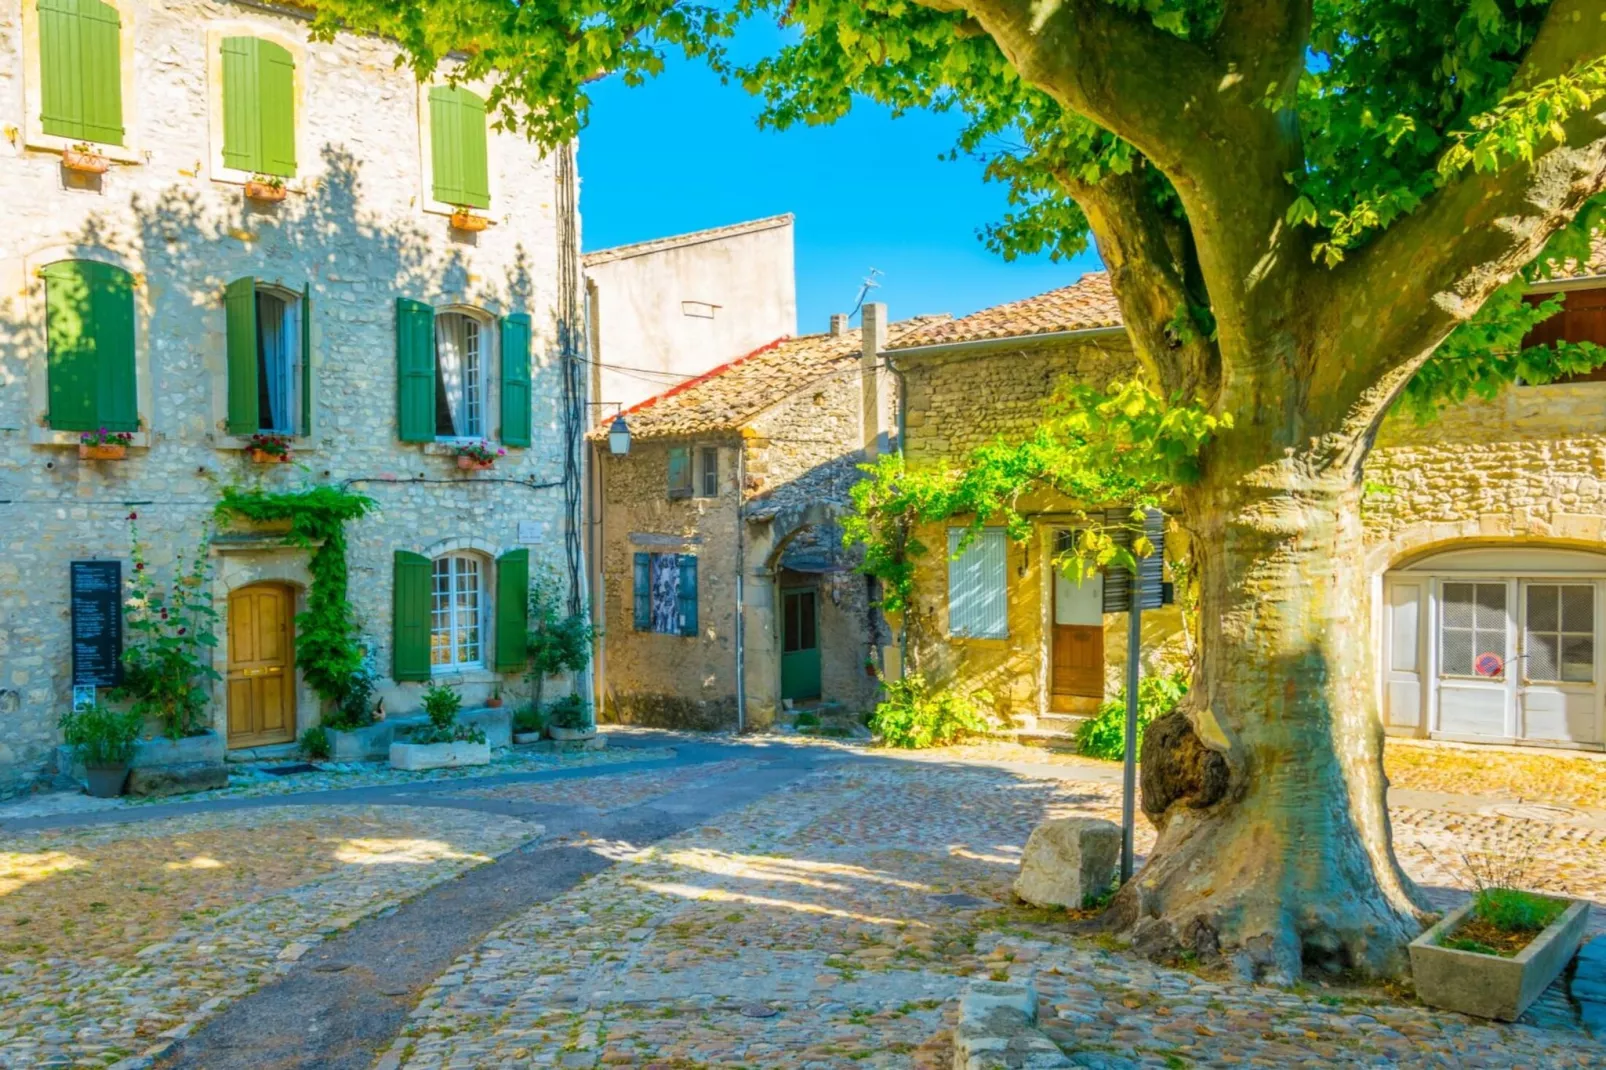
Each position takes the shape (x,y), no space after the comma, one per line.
(997,1030)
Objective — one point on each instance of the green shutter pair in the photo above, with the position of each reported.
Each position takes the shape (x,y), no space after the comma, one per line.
(415,374)
(457,150)
(89,332)
(240,313)
(259,107)
(411,613)
(81,71)
(686,597)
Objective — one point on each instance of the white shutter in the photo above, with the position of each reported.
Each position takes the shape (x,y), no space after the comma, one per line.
(977,594)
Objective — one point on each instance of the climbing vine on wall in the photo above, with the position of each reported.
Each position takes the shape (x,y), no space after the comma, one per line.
(326,633)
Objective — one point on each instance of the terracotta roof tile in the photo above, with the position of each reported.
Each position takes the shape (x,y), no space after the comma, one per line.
(725,398)
(1090,302)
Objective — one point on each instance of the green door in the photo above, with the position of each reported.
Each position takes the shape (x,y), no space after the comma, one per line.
(800,646)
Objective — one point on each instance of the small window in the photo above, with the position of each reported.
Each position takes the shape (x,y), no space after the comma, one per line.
(267,359)
(460,376)
(457,148)
(259,107)
(665,593)
(80,69)
(977,600)
(458,608)
(680,476)
(708,472)
(89,332)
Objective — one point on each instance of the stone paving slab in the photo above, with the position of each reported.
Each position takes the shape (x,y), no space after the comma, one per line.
(119,938)
(832,925)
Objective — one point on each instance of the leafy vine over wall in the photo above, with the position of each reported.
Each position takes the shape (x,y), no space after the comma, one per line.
(326,633)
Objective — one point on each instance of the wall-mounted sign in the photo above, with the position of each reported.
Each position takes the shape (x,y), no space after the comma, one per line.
(532,532)
(97,623)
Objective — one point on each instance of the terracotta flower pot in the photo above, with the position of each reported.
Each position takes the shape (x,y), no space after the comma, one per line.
(469,464)
(263,191)
(470,222)
(85,163)
(264,457)
(107,452)
(493,703)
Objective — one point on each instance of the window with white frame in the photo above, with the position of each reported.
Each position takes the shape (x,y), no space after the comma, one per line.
(458,607)
(977,584)
(462,359)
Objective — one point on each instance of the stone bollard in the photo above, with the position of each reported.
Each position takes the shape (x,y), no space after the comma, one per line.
(998,1029)
(1069,862)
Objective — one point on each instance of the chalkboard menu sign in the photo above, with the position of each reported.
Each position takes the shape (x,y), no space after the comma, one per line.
(97,623)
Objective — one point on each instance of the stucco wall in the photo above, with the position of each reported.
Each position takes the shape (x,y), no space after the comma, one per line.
(650,309)
(354,230)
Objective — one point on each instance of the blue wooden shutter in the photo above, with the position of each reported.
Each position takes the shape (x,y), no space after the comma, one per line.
(688,595)
(415,371)
(641,592)
(240,331)
(680,472)
(978,584)
(516,379)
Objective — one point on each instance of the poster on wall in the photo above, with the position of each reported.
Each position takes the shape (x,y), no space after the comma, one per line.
(97,623)
(665,593)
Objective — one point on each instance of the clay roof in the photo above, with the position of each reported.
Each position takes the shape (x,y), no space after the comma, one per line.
(677,241)
(1088,303)
(725,398)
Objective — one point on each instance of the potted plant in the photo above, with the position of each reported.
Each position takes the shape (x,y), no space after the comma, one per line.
(558,642)
(567,719)
(464,219)
(477,456)
(444,742)
(265,188)
(102,741)
(528,724)
(85,159)
(104,445)
(495,701)
(270,449)
(1495,955)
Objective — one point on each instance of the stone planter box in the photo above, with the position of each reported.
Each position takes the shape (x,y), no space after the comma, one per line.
(372,742)
(414,756)
(369,742)
(163,766)
(1490,986)
(523,738)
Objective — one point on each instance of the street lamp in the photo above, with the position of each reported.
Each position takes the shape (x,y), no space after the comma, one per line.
(619,436)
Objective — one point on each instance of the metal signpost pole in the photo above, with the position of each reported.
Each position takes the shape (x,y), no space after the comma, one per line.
(1129,770)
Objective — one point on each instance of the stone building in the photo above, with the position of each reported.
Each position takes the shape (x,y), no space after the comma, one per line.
(1487,534)
(216,228)
(725,592)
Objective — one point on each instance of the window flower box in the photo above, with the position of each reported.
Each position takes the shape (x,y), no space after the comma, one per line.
(465,220)
(270,449)
(1493,986)
(84,160)
(265,189)
(104,445)
(477,456)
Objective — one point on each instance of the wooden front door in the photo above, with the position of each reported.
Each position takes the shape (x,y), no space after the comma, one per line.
(262,691)
(1077,651)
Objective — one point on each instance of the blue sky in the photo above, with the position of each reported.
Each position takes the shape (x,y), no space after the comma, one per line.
(683,153)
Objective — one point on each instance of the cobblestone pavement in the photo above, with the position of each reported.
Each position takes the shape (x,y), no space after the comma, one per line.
(832,923)
(119,937)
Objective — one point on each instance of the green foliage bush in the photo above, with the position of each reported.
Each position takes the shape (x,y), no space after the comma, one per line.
(914,715)
(1104,736)
(100,737)
(1513,910)
(567,712)
(558,642)
(315,743)
(442,703)
(528,719)
(168,664)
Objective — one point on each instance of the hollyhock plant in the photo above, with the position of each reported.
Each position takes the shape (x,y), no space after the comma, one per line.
(168,663)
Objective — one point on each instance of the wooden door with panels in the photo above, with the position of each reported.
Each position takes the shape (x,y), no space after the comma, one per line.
(261,675)
(1076,653)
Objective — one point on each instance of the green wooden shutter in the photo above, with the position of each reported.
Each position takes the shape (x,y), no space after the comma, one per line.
(512,610)
(415,370)
(688,595)
(680,472)
(276,107)
(89,331)
(457,147)
(242,113)
(102,72)
(61,64)
(410,610)
(306,359)
(642,592)
(240,329)
(516,379)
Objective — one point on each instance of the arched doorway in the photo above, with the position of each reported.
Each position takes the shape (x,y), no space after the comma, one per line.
(261,665)
(1496,644)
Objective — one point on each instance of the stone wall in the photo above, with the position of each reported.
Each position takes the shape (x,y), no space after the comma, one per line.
(352,228)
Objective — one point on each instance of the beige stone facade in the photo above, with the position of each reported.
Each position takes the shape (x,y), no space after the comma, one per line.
(1500,500)
(358,229)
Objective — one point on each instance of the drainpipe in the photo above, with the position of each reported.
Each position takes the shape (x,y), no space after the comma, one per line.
(741,609)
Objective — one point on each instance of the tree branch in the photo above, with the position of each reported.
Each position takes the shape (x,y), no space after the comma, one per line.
(1393,302)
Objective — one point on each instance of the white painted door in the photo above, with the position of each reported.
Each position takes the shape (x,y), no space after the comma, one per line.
(1474,657)
(1402,652)
(1557,695)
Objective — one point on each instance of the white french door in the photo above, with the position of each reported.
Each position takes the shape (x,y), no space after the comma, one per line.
(1556,692)
(1474,655)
